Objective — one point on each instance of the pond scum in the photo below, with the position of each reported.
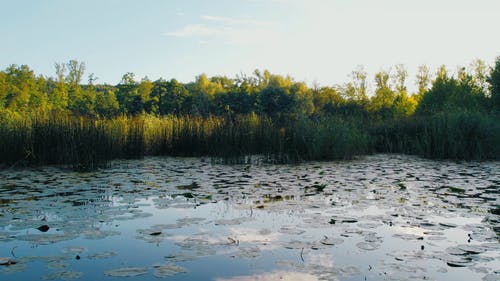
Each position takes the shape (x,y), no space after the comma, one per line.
(86,144)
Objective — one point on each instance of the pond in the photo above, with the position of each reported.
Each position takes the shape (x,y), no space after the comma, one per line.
(380,217)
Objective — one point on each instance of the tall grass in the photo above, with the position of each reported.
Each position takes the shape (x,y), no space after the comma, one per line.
(87,144)
(458,135)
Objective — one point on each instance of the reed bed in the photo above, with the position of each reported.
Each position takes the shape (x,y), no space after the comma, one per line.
(457,135)
(87,144)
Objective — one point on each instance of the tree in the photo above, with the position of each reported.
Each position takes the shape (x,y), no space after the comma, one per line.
(302,99)
(494,84)
(21,83)
(203,94)
(399,78)
(435,98)
(75,74)
(448,94)
(83,102)
(383,99)
(171,96)
(273,101)
(359,85)
(326,99)
(158,93)
(128,94)
(106,104)
(3,89)
(479,74)
(59,95)
(39,100)
(423,81)
(403,104)
(144,100)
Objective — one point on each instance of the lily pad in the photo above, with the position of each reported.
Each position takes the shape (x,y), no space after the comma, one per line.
(64,275)
(101,255)
(126,272)
(168,270)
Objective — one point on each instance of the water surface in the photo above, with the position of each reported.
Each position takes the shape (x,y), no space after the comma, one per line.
(381,217)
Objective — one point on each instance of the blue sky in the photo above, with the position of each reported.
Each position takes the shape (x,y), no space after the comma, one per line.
(311,40)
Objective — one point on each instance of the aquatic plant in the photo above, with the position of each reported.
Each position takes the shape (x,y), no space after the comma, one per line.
(458,135)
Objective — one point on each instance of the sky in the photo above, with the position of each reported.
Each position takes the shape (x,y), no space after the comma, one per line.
(316,41)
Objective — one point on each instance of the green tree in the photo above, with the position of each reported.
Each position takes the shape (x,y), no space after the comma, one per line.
(202,96)
(175,98)
(39,100)
(479,72)
(106,104)
(383,100)
(404,105)
(423,81)
(128,95)
(158,93)
(82,102)
(3,89)
(75,74)
(494,84)
(448,94)
(302,99)
(273,101)
(58,96)
(21,83)
(145,101)
(326,100)
(358,88)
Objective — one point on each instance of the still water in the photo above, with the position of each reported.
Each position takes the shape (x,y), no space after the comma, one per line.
(380,217)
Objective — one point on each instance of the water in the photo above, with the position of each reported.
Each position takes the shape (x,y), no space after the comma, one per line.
(381,217)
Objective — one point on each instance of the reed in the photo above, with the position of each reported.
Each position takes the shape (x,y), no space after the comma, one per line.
(87,144)
(460,135)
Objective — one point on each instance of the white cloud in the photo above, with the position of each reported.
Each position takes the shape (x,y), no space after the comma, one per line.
(235,21)
(198,30)
(229,30)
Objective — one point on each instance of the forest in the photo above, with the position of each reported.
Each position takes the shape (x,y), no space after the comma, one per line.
(65,120)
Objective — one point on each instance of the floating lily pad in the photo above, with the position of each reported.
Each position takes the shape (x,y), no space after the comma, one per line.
(168,270)
(64,275)
(291,230)
(13,268)
(368,246)
(331,241)
(57,265)
(101,255)
(74,250)
(248,252)
(126,272)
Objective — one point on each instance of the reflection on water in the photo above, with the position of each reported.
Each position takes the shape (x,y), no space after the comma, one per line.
(383,217)
(280,275)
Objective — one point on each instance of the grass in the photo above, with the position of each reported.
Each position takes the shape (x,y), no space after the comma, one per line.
(87,144)
(459,135)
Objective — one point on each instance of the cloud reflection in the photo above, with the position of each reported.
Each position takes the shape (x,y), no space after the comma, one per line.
(272,276)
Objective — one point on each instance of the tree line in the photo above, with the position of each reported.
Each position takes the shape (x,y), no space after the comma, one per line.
(475,88)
